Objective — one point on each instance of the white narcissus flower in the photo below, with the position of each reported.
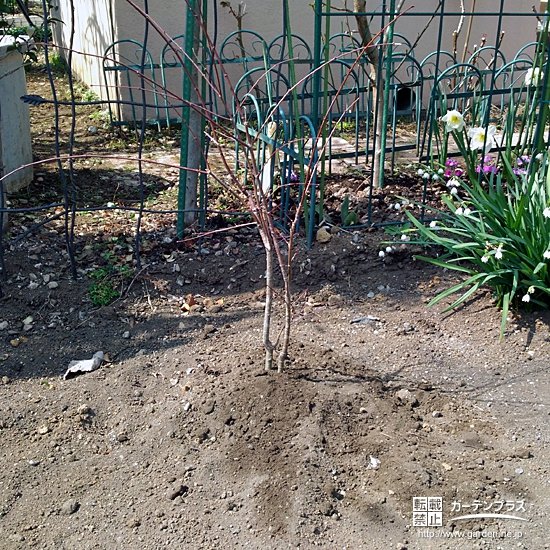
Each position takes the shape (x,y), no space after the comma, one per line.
(453,121)
(533,76)
(453,182)
(481,138)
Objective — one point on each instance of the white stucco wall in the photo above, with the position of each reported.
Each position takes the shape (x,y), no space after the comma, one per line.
(15,133)
(95,25)
(101,22)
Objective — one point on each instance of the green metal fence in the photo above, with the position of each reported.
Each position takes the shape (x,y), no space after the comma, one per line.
(295,95)
(285,80)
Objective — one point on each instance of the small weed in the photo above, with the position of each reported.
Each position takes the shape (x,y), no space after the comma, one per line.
(83,93)
(398,229)
(356,172)
(101,115)
(348,217)
(89,95)
(345,128)
(107,282)
(102,292)
(57,64)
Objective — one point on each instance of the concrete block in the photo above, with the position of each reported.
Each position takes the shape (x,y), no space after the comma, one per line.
(15,131)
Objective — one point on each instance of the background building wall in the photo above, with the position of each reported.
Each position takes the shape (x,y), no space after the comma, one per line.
(15,133)
(98,23)
(95,28)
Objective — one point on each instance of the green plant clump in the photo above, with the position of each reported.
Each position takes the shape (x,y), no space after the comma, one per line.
(57,64)
(499,235)
(348,217)
(107,284)
(495,222)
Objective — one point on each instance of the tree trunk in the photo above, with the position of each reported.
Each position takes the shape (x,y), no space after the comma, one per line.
(194,153)
(268,245)
(194,156)
(373,54)
(286,271)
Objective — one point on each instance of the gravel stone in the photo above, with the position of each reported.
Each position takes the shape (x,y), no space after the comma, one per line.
(69,507)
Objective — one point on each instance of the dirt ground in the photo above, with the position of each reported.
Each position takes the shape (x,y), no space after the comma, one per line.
(180,439)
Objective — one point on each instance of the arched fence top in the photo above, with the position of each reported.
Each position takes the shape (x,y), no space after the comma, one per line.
(340,43)
(433,62)
(513,72)
(403,63)
(527,52)
(119,53)
(458,87)
(341,84)
(489,56)
(401,44)
(260,74)
(243,46)
(279,49)
(173,52)
(133,69)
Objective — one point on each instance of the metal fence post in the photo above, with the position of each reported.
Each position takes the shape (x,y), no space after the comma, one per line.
(184,145)
(384,121)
